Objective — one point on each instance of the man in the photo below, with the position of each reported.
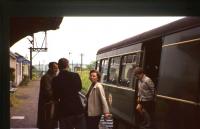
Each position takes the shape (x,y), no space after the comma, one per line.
(145,102)
(65,90)
(45,105)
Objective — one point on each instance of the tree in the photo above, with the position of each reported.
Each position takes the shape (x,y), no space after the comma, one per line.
(91,65)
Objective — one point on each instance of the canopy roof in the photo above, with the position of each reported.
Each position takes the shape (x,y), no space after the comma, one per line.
(21,27)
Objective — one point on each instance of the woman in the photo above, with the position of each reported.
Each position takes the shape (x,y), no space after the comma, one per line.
(96,101)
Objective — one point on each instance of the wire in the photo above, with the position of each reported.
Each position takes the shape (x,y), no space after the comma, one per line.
(40,47)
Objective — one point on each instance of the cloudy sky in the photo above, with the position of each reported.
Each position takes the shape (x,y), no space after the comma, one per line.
(85,35)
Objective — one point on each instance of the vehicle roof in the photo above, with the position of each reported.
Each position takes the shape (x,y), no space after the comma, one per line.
(176,26)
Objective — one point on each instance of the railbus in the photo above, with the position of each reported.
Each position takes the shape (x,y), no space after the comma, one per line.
(170,55)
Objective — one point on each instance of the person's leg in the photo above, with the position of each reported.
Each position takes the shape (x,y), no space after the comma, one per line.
(80,122)
(93,122)
(65,123)
(52,124)
(55,124)
(146,119)
(148,114)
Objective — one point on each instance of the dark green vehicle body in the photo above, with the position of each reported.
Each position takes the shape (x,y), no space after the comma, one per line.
(170,55)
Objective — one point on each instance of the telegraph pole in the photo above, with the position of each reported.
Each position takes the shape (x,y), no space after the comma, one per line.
(69,60)
(72,66)
(81,61)
(31,62)
(33,49)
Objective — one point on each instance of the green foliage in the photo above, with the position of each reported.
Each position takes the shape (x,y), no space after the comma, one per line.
(35,73)
(91,65)
(13,100)
(25,81)
(85,80)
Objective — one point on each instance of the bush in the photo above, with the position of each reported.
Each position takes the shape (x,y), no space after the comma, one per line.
(85,80)
(13,100)
(25,81)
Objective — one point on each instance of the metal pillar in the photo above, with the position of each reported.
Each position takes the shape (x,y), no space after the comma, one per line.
(31,67)
(4,74)
(81,61)
(33,49)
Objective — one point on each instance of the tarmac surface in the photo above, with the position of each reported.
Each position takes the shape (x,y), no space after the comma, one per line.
(23,115)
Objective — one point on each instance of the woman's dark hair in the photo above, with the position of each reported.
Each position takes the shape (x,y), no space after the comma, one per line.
(98,74)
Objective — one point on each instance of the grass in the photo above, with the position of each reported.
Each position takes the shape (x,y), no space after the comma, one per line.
(25,81)
(85,80)
(13,100)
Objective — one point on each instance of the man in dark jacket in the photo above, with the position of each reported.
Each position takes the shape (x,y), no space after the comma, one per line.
(65,90)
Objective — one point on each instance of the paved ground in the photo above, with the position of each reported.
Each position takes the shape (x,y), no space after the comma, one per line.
(27,98)
(24,114)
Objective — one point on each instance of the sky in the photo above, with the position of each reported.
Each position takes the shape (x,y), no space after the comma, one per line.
(86,35)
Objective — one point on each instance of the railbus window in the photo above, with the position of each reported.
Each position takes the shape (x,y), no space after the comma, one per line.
(114,70)
(104,70)
(97,65)
(128,64)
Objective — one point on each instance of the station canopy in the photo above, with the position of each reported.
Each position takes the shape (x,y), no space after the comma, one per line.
(21,27)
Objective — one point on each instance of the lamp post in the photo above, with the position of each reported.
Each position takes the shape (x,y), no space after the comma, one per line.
(69,59)
(81,61)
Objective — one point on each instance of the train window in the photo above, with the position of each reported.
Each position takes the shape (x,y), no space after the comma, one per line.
(98,65)
(114,70)
(104,70)
(179,75)
(128,64)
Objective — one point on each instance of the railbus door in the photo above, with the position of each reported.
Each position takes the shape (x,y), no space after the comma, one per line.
(151,58)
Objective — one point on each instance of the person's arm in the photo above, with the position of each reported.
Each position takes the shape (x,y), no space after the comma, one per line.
(103,101)
(139,106)
(42,93)
(151,86)
(138,94)
(48,87)
(77,81)
(55,92)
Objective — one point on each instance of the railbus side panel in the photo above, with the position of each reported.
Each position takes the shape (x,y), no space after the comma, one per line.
(177,104)
(121,101)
